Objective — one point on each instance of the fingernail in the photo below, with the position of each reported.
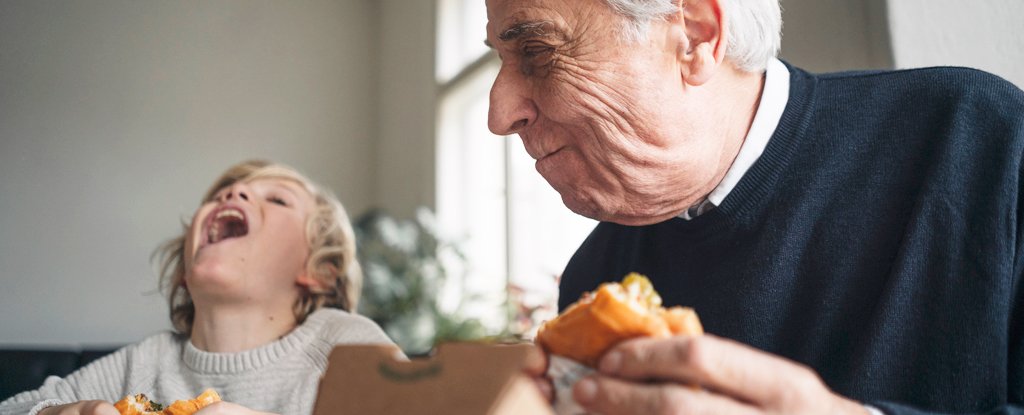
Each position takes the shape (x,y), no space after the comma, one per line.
(611,362)
(585,391)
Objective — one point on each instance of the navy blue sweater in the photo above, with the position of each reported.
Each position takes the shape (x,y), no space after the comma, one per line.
(878,239)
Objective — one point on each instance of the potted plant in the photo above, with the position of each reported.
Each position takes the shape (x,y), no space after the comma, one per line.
(406,266)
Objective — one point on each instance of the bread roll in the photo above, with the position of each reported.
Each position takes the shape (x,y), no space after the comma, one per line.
(610,314)
(139,404)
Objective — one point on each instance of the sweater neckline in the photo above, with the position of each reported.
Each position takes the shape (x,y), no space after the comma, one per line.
(223,363)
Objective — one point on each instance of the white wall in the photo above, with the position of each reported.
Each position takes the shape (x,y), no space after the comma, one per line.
(988,35)
(835,35)
(115,115)
(405,173)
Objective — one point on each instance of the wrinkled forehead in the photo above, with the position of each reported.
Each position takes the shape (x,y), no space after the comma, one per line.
(510,21)
(505,16)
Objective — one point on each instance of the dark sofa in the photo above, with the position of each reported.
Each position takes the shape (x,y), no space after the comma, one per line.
(23,369)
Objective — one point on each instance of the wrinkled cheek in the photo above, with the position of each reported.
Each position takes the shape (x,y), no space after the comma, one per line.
(590,94)
(572,106)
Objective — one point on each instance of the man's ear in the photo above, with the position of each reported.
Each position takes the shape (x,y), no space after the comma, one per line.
(703,40)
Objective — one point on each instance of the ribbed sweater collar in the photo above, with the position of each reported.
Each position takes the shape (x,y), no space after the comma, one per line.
(218,363)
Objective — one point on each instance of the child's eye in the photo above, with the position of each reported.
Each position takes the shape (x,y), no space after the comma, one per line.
(277,200)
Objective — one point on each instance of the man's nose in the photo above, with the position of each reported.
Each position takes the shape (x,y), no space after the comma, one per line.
(512,108)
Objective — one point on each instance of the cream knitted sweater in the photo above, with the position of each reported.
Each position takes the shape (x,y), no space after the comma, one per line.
(280,377)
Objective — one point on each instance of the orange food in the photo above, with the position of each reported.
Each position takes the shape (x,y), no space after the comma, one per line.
(613,313)
(139,404)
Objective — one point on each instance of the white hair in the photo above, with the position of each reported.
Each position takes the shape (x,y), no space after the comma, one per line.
(754,28)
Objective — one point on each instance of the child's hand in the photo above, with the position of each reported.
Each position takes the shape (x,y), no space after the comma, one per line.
(82,408)
(228,408)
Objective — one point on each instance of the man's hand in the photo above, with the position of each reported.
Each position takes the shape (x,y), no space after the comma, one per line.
(82,408)
(704,375)
(536,368)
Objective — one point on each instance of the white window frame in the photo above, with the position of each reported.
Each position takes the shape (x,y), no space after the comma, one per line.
(538,234)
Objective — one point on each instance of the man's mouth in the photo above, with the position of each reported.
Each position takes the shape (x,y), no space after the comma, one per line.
(556,151)
(226,223)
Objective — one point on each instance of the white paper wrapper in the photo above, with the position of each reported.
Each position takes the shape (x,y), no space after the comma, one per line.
(564,373)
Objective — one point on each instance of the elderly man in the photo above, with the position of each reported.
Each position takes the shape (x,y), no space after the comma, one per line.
(854,242)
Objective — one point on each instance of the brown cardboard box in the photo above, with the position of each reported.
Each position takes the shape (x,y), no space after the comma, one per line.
(460,378)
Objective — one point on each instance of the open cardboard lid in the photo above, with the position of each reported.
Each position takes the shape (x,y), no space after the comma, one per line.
(460,378)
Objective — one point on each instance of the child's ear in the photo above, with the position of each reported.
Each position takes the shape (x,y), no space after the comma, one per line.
(312,284)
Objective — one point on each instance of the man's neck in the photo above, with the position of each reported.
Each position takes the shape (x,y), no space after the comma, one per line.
(771,103)
(736,110)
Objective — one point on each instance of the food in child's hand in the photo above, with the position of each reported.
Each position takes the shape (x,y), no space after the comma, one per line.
(140,404)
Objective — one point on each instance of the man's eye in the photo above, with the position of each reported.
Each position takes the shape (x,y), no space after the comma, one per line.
(277,200)
(533,51)
(536,59)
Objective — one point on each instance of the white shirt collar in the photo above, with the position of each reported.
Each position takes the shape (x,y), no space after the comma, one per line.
(774,98)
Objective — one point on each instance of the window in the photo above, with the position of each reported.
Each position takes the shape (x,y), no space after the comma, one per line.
(512,225)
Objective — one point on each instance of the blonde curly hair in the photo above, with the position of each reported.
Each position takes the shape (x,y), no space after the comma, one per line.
(332,249)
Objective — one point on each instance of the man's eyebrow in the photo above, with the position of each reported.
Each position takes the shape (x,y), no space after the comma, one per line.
(526,29)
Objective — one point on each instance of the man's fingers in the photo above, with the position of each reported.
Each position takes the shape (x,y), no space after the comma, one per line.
(609,396)
(536,362)
(718,364)
(546,388)
(536,367)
